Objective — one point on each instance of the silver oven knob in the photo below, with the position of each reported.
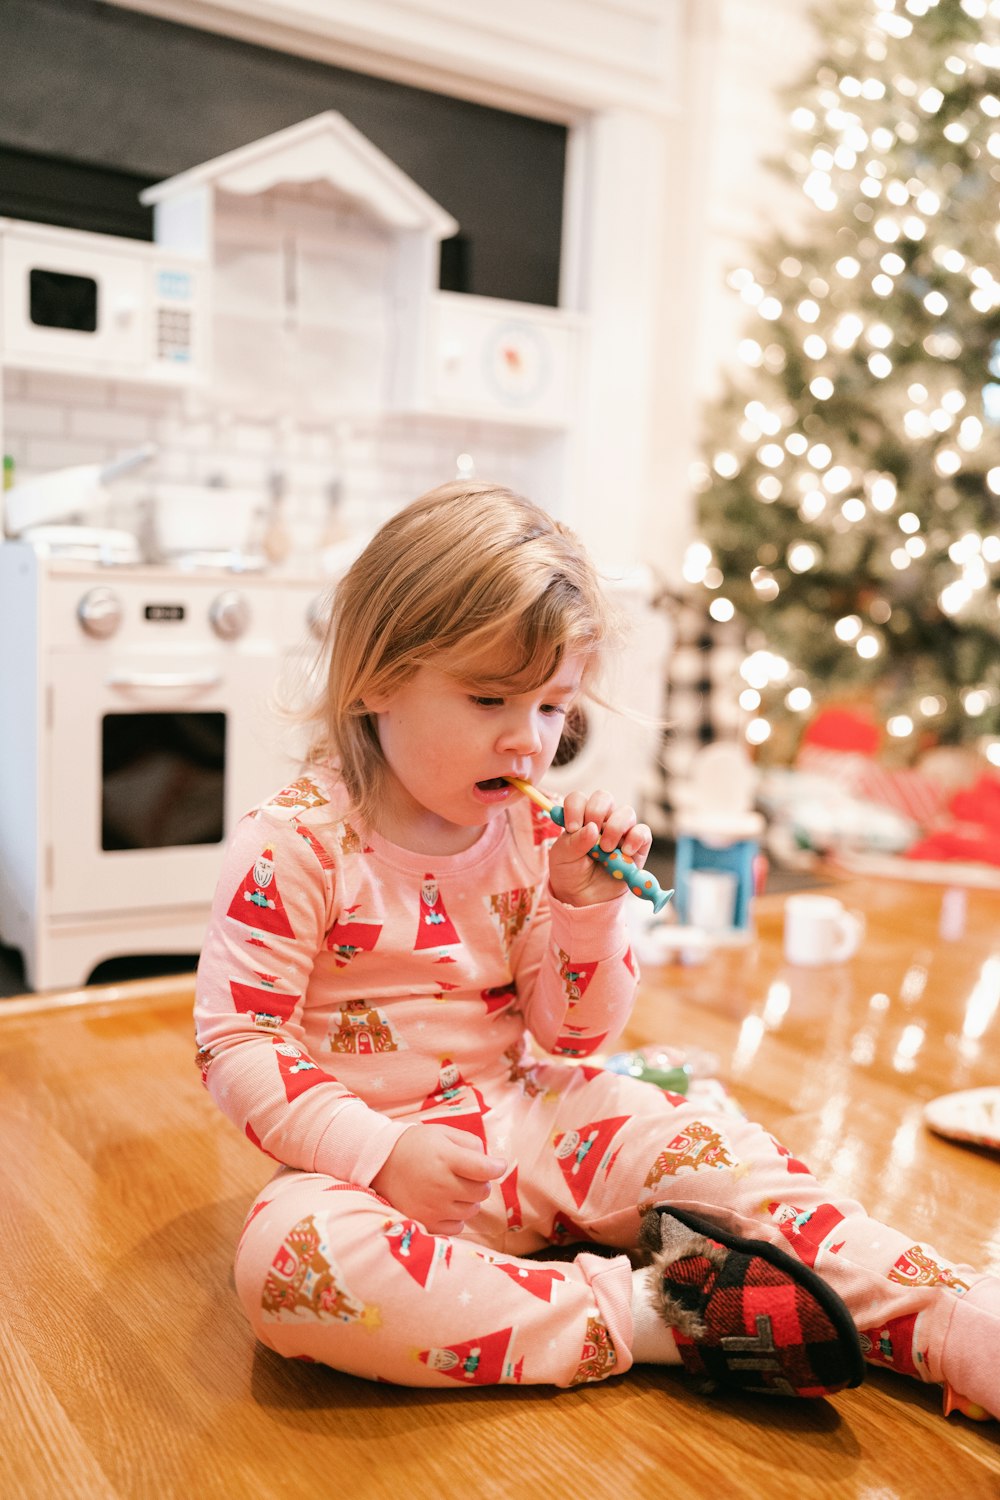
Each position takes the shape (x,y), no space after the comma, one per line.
(99,612)
(229,615)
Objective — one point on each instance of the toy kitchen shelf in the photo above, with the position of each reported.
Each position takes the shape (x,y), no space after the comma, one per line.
(297,275)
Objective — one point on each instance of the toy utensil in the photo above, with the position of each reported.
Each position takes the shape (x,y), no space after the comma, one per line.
(640,882)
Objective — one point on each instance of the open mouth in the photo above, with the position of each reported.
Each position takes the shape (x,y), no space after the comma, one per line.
(493,784)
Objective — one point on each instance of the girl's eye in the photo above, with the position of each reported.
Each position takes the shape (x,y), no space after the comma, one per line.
(482,701)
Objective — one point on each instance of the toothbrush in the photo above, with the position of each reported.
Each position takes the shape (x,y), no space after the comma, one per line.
(640,882)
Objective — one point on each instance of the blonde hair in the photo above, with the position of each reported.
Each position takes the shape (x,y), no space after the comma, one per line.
(470,575)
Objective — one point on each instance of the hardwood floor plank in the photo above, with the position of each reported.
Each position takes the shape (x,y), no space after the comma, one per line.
(43,1455)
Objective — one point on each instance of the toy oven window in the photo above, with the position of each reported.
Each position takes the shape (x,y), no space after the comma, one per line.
(162,779)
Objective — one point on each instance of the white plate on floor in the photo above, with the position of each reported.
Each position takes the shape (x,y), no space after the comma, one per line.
(970,1115)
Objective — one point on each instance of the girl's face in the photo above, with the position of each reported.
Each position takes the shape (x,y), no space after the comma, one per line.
(448,744)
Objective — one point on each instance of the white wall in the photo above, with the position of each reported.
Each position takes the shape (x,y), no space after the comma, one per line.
(759,46)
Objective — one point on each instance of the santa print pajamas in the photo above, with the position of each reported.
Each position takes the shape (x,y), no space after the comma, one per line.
(349,989)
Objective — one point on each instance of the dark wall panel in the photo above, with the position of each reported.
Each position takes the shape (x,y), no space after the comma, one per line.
(97,102)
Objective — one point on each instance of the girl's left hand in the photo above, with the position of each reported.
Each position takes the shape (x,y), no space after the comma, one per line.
(575,878)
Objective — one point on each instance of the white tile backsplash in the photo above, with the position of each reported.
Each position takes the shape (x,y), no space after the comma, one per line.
(380,462)
(62,390)
(34,418)
(41,454)
(113,424)
(141,397)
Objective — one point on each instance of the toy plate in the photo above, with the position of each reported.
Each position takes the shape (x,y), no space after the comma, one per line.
(970,1115)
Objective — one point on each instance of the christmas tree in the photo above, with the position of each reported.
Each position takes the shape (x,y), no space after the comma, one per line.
(848,500)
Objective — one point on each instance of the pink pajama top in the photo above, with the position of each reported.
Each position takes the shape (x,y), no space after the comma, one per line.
(348,987)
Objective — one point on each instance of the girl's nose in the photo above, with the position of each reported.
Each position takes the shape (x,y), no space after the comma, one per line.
(520,736)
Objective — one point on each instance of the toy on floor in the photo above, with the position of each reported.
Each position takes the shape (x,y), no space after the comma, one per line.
(718,834)
(677,1071)
(640,882)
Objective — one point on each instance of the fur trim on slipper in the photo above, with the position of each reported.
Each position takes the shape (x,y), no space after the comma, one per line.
(746,1315)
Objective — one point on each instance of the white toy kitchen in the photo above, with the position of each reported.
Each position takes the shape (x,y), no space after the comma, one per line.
(205,429)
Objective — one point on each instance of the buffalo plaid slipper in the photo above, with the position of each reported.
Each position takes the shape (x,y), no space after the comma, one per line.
(746,1315)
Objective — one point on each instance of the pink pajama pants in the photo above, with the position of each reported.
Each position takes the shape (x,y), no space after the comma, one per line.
(329,1271)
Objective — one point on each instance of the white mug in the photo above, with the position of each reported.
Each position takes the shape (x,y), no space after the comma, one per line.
(820,930)
(711,899)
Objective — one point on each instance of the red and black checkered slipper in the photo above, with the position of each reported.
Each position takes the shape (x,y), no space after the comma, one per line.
(746,1315)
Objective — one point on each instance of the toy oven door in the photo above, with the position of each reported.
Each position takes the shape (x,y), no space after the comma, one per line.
(149,771)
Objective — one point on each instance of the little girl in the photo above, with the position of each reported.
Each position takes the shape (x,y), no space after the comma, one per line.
(388,931)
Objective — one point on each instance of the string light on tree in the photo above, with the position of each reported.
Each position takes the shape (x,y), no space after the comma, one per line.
(851,497)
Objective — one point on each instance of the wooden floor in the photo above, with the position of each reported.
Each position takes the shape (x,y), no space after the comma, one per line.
(126,1369)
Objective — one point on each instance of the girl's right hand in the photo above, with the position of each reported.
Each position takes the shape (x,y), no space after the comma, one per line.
(437,1175)
(574,878)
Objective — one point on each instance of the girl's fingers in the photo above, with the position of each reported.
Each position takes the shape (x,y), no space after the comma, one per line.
(615,828)
(579,810)
(576,845)
(473,1193)
(573,812)
(596,820)
(620,830)
(637,843)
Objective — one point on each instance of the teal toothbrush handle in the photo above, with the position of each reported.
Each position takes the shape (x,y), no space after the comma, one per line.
(640,882)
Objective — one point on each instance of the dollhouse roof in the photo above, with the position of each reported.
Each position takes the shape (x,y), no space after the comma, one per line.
(324,148)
